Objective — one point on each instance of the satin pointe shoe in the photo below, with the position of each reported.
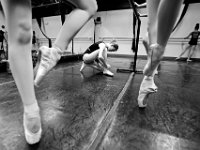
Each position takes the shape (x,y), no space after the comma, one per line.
(48,58)
(147,87)
(32,127)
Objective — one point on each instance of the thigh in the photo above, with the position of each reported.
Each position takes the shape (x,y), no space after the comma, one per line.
(88,58)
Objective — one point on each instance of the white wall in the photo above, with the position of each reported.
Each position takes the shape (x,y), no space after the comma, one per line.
(119,24)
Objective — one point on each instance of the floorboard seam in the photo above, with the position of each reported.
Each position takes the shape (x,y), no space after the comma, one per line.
(104,125)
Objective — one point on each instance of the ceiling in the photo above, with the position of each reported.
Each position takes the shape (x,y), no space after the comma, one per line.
(52,7)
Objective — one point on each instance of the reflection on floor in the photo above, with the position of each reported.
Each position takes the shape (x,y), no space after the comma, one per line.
(73,107)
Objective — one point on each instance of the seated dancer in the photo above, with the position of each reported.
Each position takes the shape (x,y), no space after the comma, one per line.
(96,56)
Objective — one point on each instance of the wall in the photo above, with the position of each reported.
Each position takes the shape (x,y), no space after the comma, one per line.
(118,25)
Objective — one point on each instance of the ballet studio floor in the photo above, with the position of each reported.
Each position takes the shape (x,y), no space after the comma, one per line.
(91,111)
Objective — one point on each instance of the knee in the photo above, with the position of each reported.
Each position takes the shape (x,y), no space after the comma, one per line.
(92,9)
(24,35)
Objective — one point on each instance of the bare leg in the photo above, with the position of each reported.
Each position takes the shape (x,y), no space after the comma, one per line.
(102,57)
(88,60)
(19,23)
(167,14)
(74,22)
(152,10)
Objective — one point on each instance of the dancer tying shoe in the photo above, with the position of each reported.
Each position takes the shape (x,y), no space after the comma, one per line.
(18,15)
(96,56)
(48,57)
(164,14)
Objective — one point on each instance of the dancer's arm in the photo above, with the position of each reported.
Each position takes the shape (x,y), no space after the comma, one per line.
(188,36)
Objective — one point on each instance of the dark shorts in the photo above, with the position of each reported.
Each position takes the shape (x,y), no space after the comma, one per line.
(192,42)
(1,39)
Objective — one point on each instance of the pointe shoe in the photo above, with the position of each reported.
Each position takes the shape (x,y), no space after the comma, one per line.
(156,54)
(147,86)
(143,96)
(189,60)
(32,127)
(177,58)
(48,58)
(108,73)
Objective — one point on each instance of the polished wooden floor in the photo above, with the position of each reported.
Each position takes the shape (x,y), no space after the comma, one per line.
(80,111)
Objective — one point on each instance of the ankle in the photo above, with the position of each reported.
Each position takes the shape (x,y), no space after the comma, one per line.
(31,108)
(148,77)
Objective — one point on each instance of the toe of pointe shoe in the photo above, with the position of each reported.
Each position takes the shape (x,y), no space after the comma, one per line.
(108,73)
(39,76)
(82,67)
(32,137)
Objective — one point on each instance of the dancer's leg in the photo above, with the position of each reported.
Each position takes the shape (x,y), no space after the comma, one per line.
(19,24)
(88,60)
(74,22)
(152,9)
(167,14)
(103,57)
(151,36)
(157,50)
